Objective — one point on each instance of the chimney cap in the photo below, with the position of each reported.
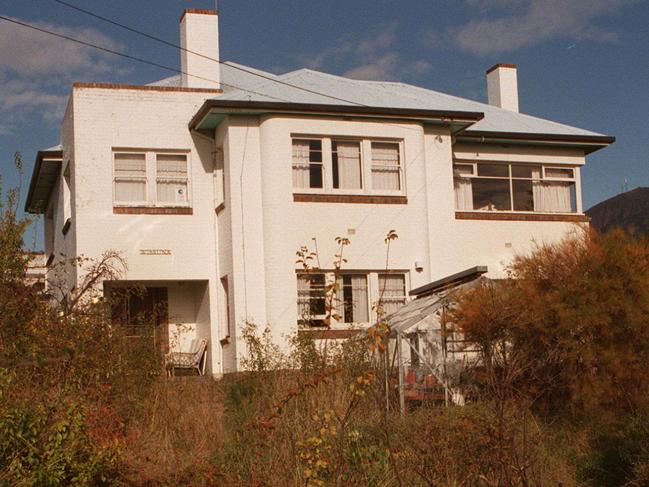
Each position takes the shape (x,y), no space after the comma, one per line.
(501,65)
(199,11)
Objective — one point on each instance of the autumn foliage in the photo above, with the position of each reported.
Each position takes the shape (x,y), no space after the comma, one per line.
(570,329)
(562,391)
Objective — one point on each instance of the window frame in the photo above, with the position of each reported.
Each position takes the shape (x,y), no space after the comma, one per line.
(361,161)
(170,204)
(323,168)
(372,289)
(401,173)
(316,320)
(151,178)
(365,155)
(542,178)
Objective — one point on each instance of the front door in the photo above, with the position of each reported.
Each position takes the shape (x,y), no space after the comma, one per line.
(142,309)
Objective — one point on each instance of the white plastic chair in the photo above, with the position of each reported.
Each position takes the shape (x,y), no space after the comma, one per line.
(193,359)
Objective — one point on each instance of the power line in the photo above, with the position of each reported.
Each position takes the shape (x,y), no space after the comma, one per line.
(176,46)
(127,56)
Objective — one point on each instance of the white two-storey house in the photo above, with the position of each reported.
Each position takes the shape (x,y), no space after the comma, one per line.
(209,182)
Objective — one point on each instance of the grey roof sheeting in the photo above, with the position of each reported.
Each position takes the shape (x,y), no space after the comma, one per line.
(341,91)
(344,91)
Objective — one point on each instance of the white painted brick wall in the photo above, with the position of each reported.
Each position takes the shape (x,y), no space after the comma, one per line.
(261,227)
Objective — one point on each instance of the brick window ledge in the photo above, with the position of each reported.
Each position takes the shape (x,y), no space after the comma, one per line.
(327,333)
(349,198)
(150,210)
(523,217)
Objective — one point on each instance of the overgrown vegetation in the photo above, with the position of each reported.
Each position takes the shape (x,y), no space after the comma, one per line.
(563,394)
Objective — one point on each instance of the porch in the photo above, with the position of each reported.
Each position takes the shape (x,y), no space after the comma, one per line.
(174,314)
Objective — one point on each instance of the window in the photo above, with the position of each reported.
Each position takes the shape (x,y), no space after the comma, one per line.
(356,293)
(307,163)
(151,178)
(346,165)
(226,315)
(219,178)
(338,165)
(311,299)
(514,187)
(67,194)
(386,166)
(352,299)
(130,178)
(392,292)
(171,178)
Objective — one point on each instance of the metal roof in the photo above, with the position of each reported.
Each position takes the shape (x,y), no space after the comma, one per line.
(298,87)
(344,91)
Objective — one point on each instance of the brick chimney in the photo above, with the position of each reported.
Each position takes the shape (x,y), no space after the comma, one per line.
(199,33)
(502,86)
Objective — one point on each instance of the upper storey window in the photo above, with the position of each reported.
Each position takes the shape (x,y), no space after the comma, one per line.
(344,165)
(307,163)
(130,178)
(171,178)
(514,187)
(151,178)
(386,166)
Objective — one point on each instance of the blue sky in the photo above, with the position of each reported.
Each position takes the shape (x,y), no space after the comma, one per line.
(581,62)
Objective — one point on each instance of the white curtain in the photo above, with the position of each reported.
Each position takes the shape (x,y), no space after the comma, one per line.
(349,165)
(303,295)
(392,289)
(130,177)
(359,302)
(463,194)
(552,197)
(385,166)
(171,176)
(301,177)
(359,298)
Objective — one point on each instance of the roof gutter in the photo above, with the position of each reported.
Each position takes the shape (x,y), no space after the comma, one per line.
(462,118)
(589,143)
(40,155)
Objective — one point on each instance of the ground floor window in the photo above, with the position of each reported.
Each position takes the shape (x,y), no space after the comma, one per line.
(350,300)
(392,292)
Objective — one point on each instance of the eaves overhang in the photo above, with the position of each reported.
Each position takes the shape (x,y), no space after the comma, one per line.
(589,143)
(210,115)
(45,175)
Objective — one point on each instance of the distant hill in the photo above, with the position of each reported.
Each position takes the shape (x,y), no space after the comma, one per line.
(628,210)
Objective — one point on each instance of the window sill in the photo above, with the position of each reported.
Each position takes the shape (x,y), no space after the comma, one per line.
(322,334)
(150,210)
(525,217)
(349,198)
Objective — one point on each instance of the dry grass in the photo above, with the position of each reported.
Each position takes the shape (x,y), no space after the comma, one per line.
(174,441)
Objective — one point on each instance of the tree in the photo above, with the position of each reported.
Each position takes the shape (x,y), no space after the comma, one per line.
(569,328)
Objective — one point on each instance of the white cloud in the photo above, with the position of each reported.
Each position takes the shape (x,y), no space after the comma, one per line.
(382,68)
(27,52)
(371,58)
(526,23)
(36,69)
